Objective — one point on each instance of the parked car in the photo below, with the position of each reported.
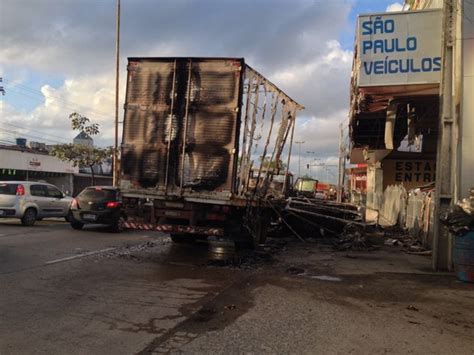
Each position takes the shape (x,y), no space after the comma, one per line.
(31,201)
(98,205)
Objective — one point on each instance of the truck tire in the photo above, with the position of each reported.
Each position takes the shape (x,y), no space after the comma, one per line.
(255,231)
(242,238)
(29,217)
(181,238)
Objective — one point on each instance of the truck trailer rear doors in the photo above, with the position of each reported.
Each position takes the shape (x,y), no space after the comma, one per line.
(181,126)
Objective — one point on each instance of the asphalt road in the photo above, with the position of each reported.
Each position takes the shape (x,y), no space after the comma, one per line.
(77,292)
(95,292)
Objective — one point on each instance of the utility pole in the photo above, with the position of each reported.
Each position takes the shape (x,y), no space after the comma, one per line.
(342,153)
(117,67)
(299,156)
(447,169)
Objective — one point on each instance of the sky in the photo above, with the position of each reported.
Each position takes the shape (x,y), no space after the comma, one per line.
(58,57)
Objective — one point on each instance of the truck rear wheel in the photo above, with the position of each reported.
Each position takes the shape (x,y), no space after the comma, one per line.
(255,231)
(251,235)
(181,238)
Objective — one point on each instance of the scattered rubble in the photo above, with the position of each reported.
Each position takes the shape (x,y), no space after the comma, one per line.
(412,308)
(459,219)
(250,259)
(354,238)
(295,270)
(128,250)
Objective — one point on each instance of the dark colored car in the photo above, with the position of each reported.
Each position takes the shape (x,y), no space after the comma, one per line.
(98,205)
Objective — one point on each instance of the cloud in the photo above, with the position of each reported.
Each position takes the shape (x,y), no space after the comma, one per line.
(321,84)
(49,121)
(294,43)
(396,6)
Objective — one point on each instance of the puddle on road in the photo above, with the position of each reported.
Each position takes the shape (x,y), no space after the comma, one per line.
(210,253)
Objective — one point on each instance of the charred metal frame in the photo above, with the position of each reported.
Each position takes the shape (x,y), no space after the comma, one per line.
(281,105)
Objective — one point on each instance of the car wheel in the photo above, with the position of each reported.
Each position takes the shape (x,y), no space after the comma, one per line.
(29,218)
(77,225)
(69,217)
(119,225)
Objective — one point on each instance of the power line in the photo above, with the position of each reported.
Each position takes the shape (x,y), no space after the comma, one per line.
(31,130)
(38,92)
(3,141)
(66,103)
(41,98)
(15,134)
(36,99)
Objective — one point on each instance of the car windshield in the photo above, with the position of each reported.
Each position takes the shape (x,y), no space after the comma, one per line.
(97,194)
(8,189)
(306,185)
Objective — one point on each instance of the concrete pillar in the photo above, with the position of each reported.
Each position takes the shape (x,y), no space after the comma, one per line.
(466,42)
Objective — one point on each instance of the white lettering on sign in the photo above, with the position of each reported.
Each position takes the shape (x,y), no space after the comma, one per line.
(399,48)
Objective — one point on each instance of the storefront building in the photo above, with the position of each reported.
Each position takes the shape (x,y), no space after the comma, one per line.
(411,120)
(23,163)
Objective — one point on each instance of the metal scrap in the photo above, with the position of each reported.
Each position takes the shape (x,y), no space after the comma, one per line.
(353,238)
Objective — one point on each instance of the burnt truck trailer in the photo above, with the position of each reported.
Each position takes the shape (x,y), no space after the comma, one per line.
(194,130)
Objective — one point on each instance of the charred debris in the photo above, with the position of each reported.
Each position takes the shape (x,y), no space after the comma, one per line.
(206,150)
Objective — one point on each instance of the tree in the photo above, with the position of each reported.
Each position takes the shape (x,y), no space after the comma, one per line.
(280,165)
(82,155)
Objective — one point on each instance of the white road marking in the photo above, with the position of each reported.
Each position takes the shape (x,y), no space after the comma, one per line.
(79,256)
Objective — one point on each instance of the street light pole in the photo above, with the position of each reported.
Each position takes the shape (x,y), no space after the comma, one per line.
(117,66)
(299,156)
(342,153)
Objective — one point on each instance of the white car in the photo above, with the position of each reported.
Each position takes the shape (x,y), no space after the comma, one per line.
(31,201)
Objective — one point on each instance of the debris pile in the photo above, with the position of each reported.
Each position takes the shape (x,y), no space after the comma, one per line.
(128,251)
(318,218)
(396,236)
(251,259)
(354,238)
(460,220)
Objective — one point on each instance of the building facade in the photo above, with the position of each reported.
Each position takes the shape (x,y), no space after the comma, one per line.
(412,113)
(23,163)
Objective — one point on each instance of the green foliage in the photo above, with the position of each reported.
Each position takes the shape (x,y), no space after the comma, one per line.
(82,155)
(280,165)
(79,123)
